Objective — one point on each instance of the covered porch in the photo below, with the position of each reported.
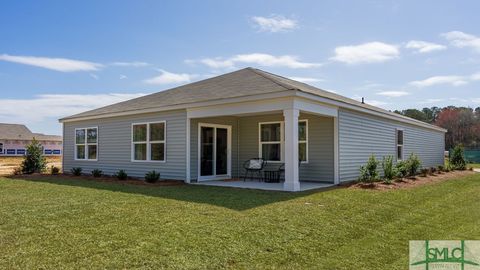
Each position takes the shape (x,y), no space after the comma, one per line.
(292,133)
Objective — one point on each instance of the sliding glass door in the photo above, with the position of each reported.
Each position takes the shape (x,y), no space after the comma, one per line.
(214,151)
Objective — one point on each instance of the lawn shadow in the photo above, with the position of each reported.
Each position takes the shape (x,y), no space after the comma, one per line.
(232,198)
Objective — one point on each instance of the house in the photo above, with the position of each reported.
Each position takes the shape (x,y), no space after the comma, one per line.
(205,130)
(15,137)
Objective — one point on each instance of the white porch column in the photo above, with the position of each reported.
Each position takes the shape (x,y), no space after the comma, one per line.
(187,151)
(292,182)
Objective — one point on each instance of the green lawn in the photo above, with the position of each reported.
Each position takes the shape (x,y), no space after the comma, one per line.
(58,224)
(474,165)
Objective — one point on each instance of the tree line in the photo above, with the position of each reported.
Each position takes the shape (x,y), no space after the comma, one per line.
(462,123)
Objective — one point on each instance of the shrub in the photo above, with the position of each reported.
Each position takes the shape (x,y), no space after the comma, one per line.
(97,173)
(388,169)
(77,171)
(34,161)
(457,159)
(433,170)
(413,164)
(121,175)
(18,171)
(424,172)
(152,177)
(369,173)
(401,169)
(440,168)
(54,170)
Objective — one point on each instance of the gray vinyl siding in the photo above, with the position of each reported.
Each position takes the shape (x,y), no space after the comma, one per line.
(361,135)
(114,145)
(225,120)
(320,166)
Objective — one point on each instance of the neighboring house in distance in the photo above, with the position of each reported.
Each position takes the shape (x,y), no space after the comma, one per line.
(14,138)
(205,131)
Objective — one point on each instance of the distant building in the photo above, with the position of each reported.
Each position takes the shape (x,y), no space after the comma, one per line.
(14,139)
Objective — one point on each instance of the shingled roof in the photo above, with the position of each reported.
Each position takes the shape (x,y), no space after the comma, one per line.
(241,83)
(21,132)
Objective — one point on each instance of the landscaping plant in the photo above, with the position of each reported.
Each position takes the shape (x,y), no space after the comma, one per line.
(388,169)
(152,176)
(54,170)
(413,164)
(97,173)
(401,169)
(457,158)
(369,173)
(77,171)
(424,172)
(121,175)
(34,161)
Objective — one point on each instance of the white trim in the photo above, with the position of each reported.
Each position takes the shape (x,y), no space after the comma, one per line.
(401,145)
(336,151)
(85,144)
(292,182)
(149,143)
(229,152)
(188,159)
(281,142)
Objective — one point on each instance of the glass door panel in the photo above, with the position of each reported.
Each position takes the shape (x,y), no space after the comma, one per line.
(206,151)
(221,151)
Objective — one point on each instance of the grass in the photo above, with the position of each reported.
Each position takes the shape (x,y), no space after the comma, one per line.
(474,165)
(59,224)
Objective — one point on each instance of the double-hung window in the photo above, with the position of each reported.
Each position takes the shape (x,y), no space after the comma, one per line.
(148,141)
(86,143)
(271,141)
(399,144)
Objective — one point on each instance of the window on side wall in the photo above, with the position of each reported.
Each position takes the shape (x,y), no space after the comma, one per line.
(271,138)
(303,141)
(149,141)
(86,143)
(399,144)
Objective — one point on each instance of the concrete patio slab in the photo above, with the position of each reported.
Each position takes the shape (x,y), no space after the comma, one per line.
(263,185)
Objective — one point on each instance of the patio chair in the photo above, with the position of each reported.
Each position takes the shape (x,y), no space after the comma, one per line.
(281,169)
(254,166)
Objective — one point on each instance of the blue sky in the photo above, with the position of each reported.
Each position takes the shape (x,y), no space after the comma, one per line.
(58,58)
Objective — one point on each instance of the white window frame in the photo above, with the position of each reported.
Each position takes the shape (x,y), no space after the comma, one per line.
(149,143)
(397,144)
(86,144)
(282,140)
(304,141)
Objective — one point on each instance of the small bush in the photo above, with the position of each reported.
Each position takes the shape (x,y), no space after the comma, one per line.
(369,173)
(401,169)
(457,159)
(152,177)
(54,170)
(388,169)
(470,169)
(34,161)
(17,171)
(413,164)
(77,171)
(433,170)
(121,175)
(97,173)
(440,168)
(424,172)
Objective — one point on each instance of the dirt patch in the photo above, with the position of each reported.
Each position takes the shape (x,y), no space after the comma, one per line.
(105,179)
(413,182)
(8,164)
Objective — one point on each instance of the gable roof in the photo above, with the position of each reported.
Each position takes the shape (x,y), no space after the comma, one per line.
(241,83)
(21,132)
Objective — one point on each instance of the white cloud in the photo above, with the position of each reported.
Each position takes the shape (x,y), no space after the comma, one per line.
(475,77)
(130,64)
(44,110)
(453,80)
(170,78)
(432,100)
(57,64)
(393,93)
(463,40)
(372,52)
(94,76)
(274,23)
(424,47)
(261,59)
(306,79)
(123,77)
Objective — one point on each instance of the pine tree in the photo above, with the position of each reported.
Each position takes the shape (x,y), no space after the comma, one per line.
(34,161)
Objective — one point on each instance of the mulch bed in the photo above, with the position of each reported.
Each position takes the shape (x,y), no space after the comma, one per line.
(413,182)
(105,179)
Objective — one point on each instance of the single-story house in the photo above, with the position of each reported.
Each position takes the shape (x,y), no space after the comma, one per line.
(205,131)
(15,137)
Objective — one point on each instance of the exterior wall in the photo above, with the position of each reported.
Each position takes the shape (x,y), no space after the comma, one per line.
(114,145)
(17,147)
(361,135)
(226,120)
(320,166)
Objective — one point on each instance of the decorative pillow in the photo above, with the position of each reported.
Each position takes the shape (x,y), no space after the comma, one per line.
(255,164)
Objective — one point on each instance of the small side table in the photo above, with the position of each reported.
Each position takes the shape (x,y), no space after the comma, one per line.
(271,176)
